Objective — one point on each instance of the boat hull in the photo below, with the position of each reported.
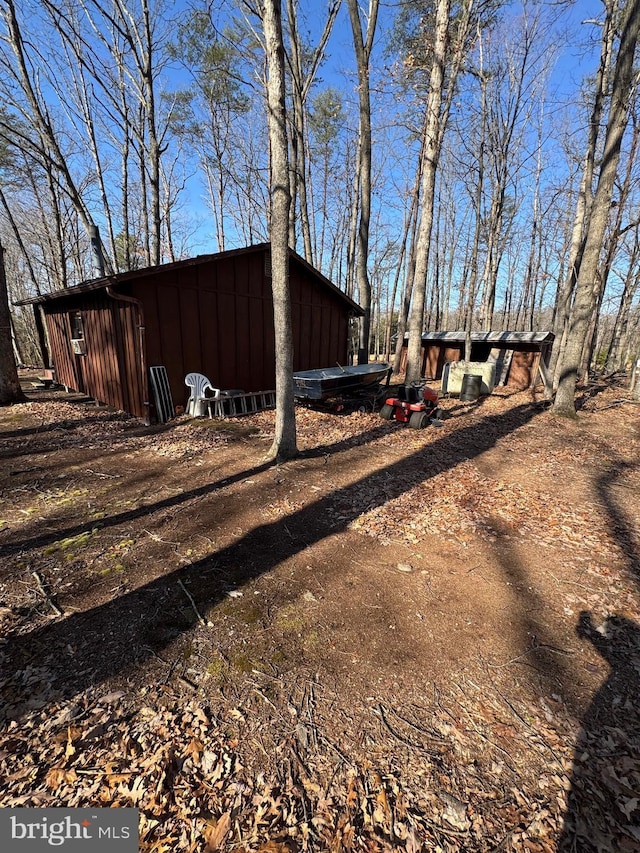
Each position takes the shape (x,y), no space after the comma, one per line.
(334,381)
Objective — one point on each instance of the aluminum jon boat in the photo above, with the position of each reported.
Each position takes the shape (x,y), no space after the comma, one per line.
(333,381)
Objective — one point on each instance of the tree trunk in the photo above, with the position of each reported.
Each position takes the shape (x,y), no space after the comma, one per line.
(350,276)
(48,148)
(153,153)
(18,238)
(472,286)
(363,53)
(15,343)
(301,85)
(533,260)
(431,156)
(585,201)
(394,292)
(634,385)
(10,390)
(284,442)
(617,230)
(504,119)
(631,282)
(409,237)
(588,281)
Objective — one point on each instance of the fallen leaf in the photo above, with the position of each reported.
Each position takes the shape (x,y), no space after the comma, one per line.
(216,833)
(110,698)
(58,776)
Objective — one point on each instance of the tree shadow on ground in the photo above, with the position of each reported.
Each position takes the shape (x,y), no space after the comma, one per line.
(463,407)
(85,648)
(66,425)
(41,540)
(540,652)
(611,490)
(603,811)
(595,386)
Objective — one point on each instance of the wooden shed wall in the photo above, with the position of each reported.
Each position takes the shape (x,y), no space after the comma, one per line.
(110,370)
(433,358)
(213,317)
(522,371)
(216,318)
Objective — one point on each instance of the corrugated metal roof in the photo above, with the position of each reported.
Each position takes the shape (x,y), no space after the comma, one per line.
(121,278)
(490,337)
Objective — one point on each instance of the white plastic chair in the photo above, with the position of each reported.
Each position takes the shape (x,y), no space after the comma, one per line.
(198,403)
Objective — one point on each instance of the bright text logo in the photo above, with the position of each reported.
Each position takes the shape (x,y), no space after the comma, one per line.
(31,830)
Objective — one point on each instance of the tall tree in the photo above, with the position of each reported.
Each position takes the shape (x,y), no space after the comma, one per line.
(210,118)
(409,237)
(325,122)
(589,282)
(448,51)
(566,292)
(615,232)
(10,390)
(44,143)
(615,355)
(363,45)
(476,199)
(514,76)
(284,443)
(303,64)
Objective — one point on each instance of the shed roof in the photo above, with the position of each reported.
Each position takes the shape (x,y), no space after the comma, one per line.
(490,337)
(132,275)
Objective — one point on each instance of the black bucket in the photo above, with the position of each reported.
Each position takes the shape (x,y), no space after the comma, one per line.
(471,387)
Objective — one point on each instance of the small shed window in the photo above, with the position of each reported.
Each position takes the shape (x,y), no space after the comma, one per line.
(78,343)
(77,326)
(267,264)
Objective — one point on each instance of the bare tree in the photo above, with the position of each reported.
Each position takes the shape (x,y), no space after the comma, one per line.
(78,103)
(477,194)
(284,443)
(449,48)
(10,390)
(43,143)
(585,195)
(525,314)
(139,36)
(363,45)
(302,72)
(588,281)
(615,355)
(614,236)
(409,237)
(20,242)
(515,74)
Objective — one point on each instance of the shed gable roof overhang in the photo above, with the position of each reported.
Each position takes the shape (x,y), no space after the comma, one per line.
(134,275)
(488,337)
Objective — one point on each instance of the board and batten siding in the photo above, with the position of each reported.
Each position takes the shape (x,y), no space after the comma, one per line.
(211,315)
(216,318)
(110,370)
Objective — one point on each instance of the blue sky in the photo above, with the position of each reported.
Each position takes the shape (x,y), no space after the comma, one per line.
(575,41)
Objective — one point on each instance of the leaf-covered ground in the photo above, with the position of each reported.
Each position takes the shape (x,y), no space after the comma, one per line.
(400,640)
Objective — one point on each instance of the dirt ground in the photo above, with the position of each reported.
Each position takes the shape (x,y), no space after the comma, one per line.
(413,640)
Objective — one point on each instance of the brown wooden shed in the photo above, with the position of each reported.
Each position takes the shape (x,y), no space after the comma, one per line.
(521,352)
(212,314)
